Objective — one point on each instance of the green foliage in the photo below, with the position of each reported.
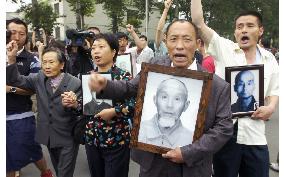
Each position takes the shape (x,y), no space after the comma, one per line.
(134,18)
(86,7)
(40,15)
(115,10)
(118,9)
(220,14)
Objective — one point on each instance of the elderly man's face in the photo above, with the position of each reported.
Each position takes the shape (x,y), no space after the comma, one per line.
(245,86)
(181,43)
(171,101)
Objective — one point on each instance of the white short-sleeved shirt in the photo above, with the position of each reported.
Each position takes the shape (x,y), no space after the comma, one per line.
(227,53)
(145,56)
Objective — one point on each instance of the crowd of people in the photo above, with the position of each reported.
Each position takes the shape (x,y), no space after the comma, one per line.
(43,66)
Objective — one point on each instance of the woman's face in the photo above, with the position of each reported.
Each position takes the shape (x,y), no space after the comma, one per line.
(102,54)
(50,64)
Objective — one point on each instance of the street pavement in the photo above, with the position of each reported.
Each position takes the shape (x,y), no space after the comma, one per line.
(81,169)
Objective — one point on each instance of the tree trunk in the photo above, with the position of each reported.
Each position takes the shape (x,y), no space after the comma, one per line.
(78,16)
(83,21)
(78,21)
(114,23)
(35,7)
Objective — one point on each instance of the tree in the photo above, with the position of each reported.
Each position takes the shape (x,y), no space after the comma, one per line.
(220,14)
(115,10)
(118,9)
(82,8)
(141,8)
(40,15)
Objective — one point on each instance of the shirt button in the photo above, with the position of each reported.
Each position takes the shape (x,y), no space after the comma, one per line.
(50,122)
(50,115)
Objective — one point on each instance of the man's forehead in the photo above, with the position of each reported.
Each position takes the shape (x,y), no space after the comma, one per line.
(172,84)
(184,28)
(18,26)
(247,76)
(123,38)
(247,19)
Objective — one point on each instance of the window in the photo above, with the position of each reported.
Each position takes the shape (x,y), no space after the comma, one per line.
(56,8)
(57,32)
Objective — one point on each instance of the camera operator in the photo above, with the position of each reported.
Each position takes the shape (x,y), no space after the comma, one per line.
(38,35)
(79,51)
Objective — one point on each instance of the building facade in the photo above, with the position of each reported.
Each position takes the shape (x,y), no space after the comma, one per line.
(67,20)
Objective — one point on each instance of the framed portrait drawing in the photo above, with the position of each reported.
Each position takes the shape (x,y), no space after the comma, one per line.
(247,88)
(91,104)
(170,107)
(124,61)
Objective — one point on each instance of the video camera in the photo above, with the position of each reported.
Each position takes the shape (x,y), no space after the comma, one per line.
(78,37)
(38,34)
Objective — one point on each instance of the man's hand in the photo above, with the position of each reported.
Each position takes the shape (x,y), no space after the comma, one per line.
(168,4)
(69,99)
(40,48)
(130,28)
(97,82)
(263,113)
(88,44)
(107,114)
(174,155)
(11,50)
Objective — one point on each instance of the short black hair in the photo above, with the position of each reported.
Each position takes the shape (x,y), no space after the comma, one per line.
(143,36)
(121,35)
(60,55)
(253,13)
(18,22)
(112,42)
(182,21)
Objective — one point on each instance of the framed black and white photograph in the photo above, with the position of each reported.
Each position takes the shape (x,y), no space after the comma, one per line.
(170,108)
(247,88)
(124,61)
(91,104)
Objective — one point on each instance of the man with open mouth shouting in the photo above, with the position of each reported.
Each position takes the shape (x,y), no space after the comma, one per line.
(246,154)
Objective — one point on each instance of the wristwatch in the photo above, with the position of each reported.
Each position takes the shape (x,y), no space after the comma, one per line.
(13,90)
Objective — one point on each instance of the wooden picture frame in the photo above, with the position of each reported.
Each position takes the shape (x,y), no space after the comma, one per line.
(91,104)
(247,88)
(195,86)
(124,61)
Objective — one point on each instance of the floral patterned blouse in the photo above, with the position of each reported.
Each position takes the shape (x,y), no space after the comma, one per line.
(115,132)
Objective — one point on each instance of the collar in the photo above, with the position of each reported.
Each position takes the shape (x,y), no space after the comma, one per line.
(264,54)
(55,82)
(20,51)
(113,67)
(156,133)
(193,65)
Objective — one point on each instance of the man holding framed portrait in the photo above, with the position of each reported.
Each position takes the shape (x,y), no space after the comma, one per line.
(248,145)
(192,159)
